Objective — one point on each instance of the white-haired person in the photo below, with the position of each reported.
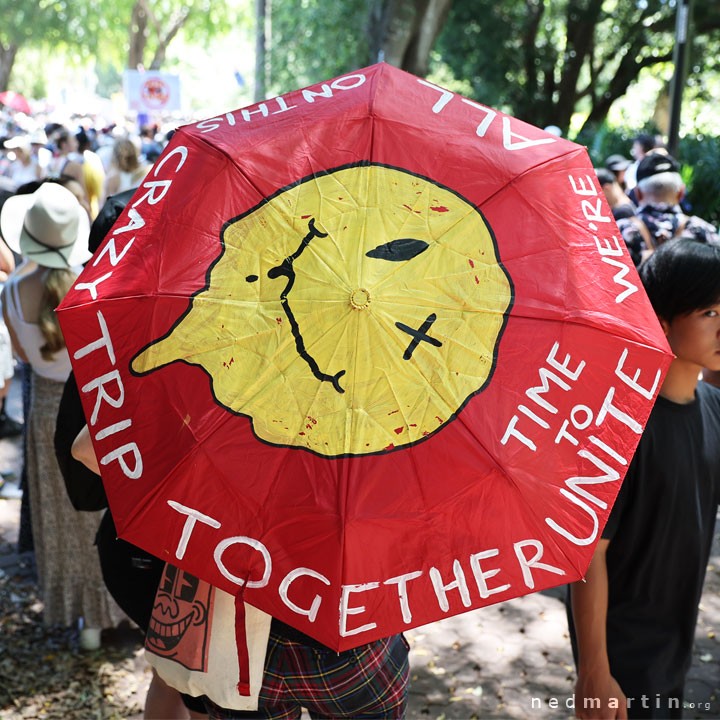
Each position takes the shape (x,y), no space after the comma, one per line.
(50,228)
(660,190)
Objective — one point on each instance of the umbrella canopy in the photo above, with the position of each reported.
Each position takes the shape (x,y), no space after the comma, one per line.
(15,101)
(370,353)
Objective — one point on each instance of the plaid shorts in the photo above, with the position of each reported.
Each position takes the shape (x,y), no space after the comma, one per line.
(370,681)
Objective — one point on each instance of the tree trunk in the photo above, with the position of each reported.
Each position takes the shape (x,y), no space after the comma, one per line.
(417,56)
(403,32)
(7,60)
(581,21)
(138,34)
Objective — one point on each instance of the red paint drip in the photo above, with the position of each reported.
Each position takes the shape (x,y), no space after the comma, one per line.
(440,208)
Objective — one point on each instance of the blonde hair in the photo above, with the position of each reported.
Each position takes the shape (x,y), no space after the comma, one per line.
(125,155)
(56,283)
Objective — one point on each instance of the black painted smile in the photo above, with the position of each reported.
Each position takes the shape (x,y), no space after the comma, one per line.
(286,269)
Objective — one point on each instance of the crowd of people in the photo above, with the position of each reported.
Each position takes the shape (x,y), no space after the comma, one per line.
(632,620)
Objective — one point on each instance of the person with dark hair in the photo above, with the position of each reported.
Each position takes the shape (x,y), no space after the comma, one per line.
(617,165)
(632,620)
(660,218)
(642,145)
(92,172)
(151,149)
(620,204)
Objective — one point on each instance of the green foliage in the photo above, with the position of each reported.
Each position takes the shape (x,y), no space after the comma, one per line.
(313,40)
(543,60)
(109,79)
(607,140)
(29,77)
(702,155)
(35,22)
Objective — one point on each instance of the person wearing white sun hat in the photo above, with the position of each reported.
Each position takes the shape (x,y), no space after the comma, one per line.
(50,228)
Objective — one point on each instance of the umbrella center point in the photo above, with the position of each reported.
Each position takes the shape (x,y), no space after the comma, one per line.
(360,299)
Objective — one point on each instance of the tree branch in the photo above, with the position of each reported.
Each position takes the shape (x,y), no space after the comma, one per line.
(164,40)
(535,12)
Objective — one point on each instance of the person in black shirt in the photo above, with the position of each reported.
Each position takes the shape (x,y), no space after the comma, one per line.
(632,620)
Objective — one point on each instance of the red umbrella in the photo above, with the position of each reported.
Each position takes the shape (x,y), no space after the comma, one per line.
(15,101)
(370,352)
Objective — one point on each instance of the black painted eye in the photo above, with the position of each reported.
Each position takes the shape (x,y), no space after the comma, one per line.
(169,579)
(398,250)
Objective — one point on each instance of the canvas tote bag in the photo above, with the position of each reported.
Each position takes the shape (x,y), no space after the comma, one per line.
(203,641)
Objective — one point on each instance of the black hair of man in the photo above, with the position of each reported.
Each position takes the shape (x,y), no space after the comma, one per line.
(682,276)
(83,140)
(646,141)
(605,176)
(61,137)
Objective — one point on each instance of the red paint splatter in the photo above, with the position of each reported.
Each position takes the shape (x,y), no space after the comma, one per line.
(312,420)
(278,320)
(398,430)
(308,427)
(304,217)
(476,280)
(407,206)
(389,447)
(438,418)
(367,444)
(472,264)
(339,198)
(440,208)
(393,412)
(345,228)
(413,425)
(302,433)
(425,432)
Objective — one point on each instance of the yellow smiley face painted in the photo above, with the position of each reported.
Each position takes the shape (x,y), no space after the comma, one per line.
(352,313)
